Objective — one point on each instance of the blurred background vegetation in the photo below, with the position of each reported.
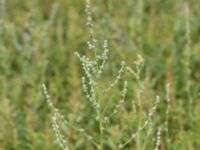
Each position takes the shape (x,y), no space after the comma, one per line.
(38,39)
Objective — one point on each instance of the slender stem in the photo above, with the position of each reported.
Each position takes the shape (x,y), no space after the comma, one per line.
(139,91)
(100,115)
(101,134)
(139,121)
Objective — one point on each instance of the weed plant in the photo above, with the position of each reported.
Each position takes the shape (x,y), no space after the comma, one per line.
(104,96)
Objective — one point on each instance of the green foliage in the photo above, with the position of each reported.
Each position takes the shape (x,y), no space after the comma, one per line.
(38,39)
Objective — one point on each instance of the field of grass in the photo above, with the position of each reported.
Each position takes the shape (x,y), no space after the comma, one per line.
(160,43)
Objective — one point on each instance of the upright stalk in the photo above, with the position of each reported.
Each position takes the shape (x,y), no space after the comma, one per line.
(139,91)
(100,117)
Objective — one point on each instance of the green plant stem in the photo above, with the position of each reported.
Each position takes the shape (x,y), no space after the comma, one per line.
(139,91)
(101,134)
(100,122)
(139,121)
